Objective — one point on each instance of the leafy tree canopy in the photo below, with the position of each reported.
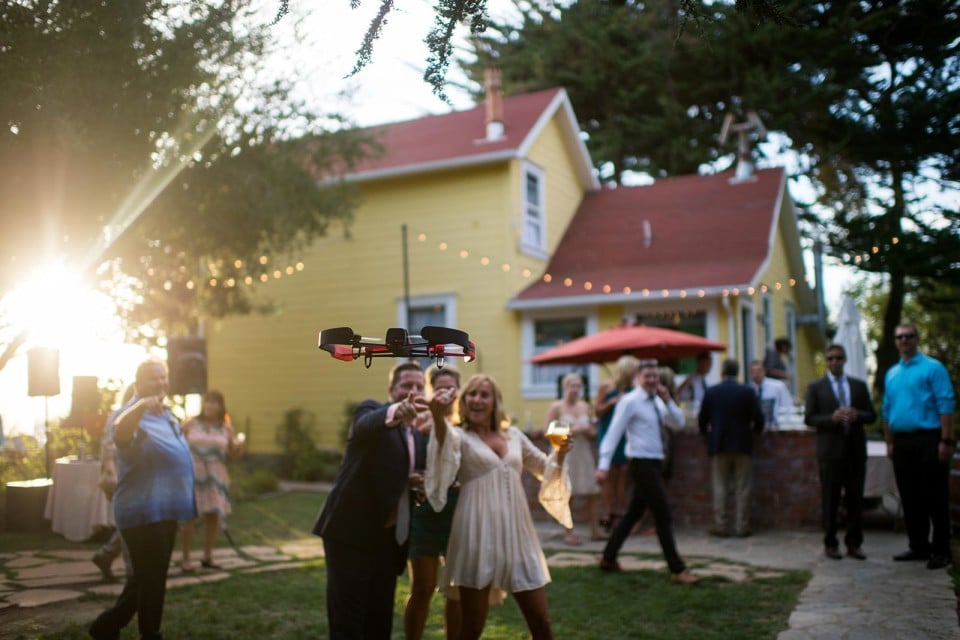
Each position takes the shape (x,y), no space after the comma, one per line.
(139,138)
(866,92)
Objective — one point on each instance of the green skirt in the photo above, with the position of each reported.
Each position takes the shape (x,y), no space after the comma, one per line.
(430,530)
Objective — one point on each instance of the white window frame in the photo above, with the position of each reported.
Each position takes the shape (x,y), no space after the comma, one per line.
(548,390)
(534,247)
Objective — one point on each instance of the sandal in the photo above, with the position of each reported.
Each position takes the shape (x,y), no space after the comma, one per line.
(187,567)
(209,564)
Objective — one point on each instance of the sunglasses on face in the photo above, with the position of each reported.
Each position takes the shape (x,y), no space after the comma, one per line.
(905,336)
(835,358)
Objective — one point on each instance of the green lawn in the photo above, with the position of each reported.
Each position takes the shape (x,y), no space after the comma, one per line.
(585,603)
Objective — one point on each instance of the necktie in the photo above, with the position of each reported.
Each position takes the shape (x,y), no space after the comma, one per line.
(842,401)
(841,393)
(656,410)
(403,508)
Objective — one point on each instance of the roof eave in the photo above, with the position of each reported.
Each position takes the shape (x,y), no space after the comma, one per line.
(571,131)
(427,167)
(595,299)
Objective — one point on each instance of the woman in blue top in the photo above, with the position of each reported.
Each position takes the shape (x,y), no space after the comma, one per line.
(609,393)
(154,492)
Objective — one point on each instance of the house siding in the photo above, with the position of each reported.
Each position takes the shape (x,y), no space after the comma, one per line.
(269,364)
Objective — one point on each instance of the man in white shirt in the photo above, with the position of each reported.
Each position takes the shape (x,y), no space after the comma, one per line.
(774,395)
(640,414)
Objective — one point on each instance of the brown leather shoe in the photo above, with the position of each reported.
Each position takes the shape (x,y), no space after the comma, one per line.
(833,552)
(610,566)
(684,577)
(856,552)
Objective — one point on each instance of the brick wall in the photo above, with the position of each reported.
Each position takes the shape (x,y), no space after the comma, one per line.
(786,490)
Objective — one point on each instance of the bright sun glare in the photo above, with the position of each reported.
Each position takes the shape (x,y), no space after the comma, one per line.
(58,309)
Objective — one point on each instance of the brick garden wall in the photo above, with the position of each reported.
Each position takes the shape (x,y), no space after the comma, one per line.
(786,490)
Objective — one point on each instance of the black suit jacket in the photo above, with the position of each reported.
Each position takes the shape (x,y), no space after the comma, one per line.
(372,475)
(732,411)
(819,405)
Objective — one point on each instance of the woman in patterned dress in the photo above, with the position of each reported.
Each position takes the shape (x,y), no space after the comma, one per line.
(212,440)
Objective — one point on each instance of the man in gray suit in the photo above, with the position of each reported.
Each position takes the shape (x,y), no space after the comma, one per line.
(838,407)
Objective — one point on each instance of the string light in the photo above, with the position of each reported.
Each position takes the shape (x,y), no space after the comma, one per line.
(505,267)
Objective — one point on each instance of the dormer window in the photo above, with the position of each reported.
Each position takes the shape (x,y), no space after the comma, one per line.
(534,227)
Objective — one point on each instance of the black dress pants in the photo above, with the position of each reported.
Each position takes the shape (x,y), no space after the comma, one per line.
(847,474)
(361,583)
(150,547)
(648,491)
(924,485)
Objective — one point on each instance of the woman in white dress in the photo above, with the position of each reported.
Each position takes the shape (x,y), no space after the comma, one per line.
(493,545)
(572,410)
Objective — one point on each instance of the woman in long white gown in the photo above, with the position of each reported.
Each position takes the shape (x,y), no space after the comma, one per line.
(493,545)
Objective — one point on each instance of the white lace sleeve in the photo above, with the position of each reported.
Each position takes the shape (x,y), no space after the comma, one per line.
(443,463)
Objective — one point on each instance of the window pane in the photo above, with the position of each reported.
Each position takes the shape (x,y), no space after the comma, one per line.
(552,333)
(426,316)
(533,189)
(694,322)
(531,233)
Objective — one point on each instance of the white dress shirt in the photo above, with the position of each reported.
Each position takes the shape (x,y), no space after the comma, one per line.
(636,415)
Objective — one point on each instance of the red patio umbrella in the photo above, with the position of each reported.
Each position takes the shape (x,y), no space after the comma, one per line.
(639,341)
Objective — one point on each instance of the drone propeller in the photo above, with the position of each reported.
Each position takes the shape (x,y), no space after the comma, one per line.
(436,343)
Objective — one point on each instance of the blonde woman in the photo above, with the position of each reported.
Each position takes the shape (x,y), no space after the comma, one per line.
(493,546)
(572,410)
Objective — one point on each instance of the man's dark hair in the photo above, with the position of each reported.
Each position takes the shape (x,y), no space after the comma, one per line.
(780,343)
(408,365)
(833,346)
(730,368)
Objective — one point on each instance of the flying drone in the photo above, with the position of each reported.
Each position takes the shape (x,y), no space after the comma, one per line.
(437,343)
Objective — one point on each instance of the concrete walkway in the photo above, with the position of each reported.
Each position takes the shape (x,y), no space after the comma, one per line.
(846,599)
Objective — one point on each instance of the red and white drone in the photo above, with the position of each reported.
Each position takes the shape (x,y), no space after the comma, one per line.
(437,343)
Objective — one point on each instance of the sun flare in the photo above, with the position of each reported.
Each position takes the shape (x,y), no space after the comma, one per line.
(57,308)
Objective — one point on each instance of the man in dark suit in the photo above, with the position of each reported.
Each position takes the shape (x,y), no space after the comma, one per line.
(838,406)
(730,414)
(365,520)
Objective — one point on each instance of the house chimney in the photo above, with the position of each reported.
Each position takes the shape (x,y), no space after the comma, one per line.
(494,103)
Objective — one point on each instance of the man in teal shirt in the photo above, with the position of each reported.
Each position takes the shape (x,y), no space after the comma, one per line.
(918,404)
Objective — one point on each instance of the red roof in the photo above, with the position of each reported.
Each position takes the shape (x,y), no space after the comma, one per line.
(455,138)
(705,232)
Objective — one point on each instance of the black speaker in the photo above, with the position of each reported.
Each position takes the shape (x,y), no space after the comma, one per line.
(43,371)
(187,362)
(86,395)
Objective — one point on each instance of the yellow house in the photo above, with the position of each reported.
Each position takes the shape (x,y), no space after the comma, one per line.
(462,219)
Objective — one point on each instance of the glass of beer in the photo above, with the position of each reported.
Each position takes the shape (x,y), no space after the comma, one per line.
(558,433)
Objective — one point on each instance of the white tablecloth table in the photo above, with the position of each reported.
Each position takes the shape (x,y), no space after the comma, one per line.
(76,506)
(880,480)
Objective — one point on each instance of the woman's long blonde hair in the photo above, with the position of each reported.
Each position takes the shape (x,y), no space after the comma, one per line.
(499,419)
